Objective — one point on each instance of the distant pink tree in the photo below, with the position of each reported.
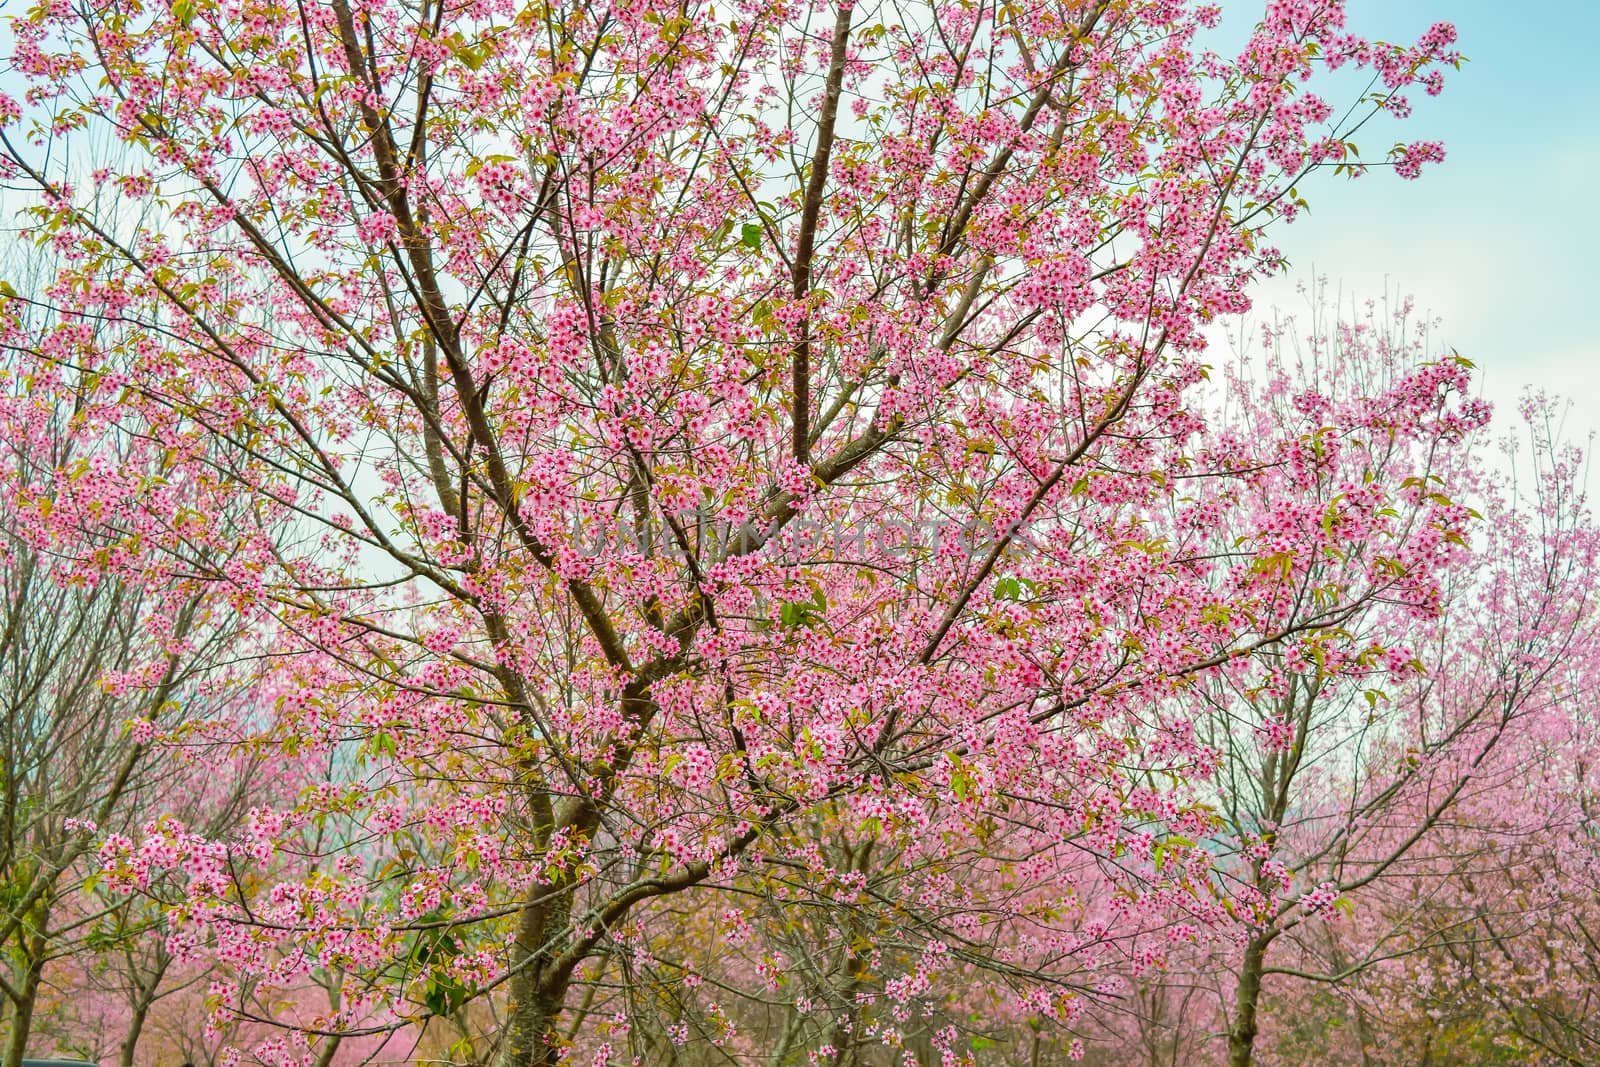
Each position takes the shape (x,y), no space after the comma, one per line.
(660,430)
(112,666)
(1367,790)
(1480,946)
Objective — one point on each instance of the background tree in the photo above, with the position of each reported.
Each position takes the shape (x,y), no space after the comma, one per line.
(1371,813)
(100,661)
(1485,953)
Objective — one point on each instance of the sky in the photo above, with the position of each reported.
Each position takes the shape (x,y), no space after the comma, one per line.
(1498,241)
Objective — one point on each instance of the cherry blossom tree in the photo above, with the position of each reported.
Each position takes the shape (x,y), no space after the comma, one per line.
(97,672)
(1375,812)
(1418,773)
(1484,952)
(665,432)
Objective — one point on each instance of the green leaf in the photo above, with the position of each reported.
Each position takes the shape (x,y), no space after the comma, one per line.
(444,996)
(804,612)
(750,235)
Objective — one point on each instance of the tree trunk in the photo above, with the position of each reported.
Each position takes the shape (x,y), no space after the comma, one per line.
(22,1007)
(1242,1035)
(793,1024)
(530,1026)
(330,1045)
(529,1035)
(144,996)
(130,1040)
